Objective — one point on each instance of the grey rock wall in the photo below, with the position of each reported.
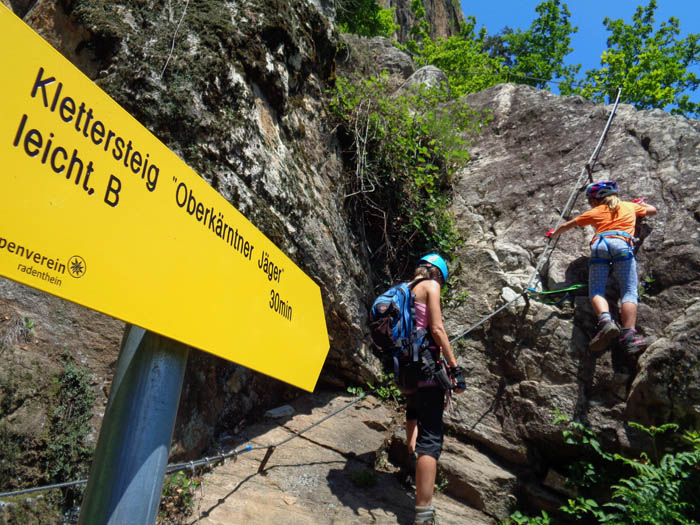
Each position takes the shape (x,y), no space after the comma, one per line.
(531,361)
(443,16)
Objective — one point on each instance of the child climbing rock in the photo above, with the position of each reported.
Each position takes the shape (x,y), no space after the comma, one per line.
(612,246)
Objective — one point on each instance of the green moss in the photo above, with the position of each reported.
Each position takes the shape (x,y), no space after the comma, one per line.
(58,453)
(201,105)
(190,98)
(67,454)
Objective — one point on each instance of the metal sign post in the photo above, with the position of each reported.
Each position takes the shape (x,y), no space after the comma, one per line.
(126,476)
(81,180)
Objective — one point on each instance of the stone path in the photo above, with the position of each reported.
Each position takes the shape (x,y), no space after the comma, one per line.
(326,476)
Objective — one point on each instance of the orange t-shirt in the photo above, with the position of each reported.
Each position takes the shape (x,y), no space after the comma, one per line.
(603,220)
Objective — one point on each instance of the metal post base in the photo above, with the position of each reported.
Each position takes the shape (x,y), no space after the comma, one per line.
(126,476)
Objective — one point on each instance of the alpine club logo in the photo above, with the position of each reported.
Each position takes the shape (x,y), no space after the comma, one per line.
(77,266)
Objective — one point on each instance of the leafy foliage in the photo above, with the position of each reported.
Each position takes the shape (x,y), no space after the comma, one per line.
(521,519)
(62,454)
(463,58)
(365,18)
(537,55)
(404,148)
(178,497)
(653,68)
(646,490)
(387,389)
(474,61)
(68,455)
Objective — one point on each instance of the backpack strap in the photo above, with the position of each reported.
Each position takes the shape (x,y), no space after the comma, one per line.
(415,343)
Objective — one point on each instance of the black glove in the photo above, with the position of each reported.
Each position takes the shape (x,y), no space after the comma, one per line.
(458,375)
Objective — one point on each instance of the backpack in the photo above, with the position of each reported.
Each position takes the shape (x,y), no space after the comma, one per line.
(393,332)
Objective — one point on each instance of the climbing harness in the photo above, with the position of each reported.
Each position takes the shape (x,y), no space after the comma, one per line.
(613,233)
(623,256)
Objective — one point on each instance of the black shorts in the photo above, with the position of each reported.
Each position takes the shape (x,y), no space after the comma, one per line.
(426,405)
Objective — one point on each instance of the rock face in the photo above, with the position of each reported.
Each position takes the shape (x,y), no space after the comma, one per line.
(370,56)
(443,16)
(331,474)
(242,100)
(532,360)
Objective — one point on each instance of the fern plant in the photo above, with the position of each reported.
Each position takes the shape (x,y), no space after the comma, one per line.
(647,490)
(654,493)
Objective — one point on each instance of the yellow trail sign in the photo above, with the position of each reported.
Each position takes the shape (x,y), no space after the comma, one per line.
(95,209)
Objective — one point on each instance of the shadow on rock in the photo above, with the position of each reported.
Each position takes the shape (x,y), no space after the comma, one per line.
(360,486)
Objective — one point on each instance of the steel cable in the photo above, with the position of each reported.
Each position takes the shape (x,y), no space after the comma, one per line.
(205,461)
(572,197)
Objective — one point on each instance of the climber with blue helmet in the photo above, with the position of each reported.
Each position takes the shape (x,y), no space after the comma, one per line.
(612,246)
(424,407)
(433,259)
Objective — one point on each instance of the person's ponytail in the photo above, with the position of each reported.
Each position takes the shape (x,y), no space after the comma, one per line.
(612,202)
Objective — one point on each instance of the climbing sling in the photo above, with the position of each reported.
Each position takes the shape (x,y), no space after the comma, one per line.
(545,297)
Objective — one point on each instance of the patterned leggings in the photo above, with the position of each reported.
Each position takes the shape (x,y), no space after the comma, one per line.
(625,271)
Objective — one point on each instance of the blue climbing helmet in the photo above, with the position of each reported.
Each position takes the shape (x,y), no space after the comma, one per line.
(439,262)
(600,190)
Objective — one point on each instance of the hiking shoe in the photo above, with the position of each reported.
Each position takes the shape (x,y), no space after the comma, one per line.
(633,343)
(606,331)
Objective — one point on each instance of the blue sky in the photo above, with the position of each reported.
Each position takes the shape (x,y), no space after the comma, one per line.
(590,40)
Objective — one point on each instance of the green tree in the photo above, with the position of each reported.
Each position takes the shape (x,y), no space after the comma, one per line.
(652,67)
(473,60)
(463,58)
(539,52)
(365,18)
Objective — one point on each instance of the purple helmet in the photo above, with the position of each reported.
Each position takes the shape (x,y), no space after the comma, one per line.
(600,190)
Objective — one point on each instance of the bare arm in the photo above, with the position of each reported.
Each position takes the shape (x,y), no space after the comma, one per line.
(651,211)
(564,228)
(437,329)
